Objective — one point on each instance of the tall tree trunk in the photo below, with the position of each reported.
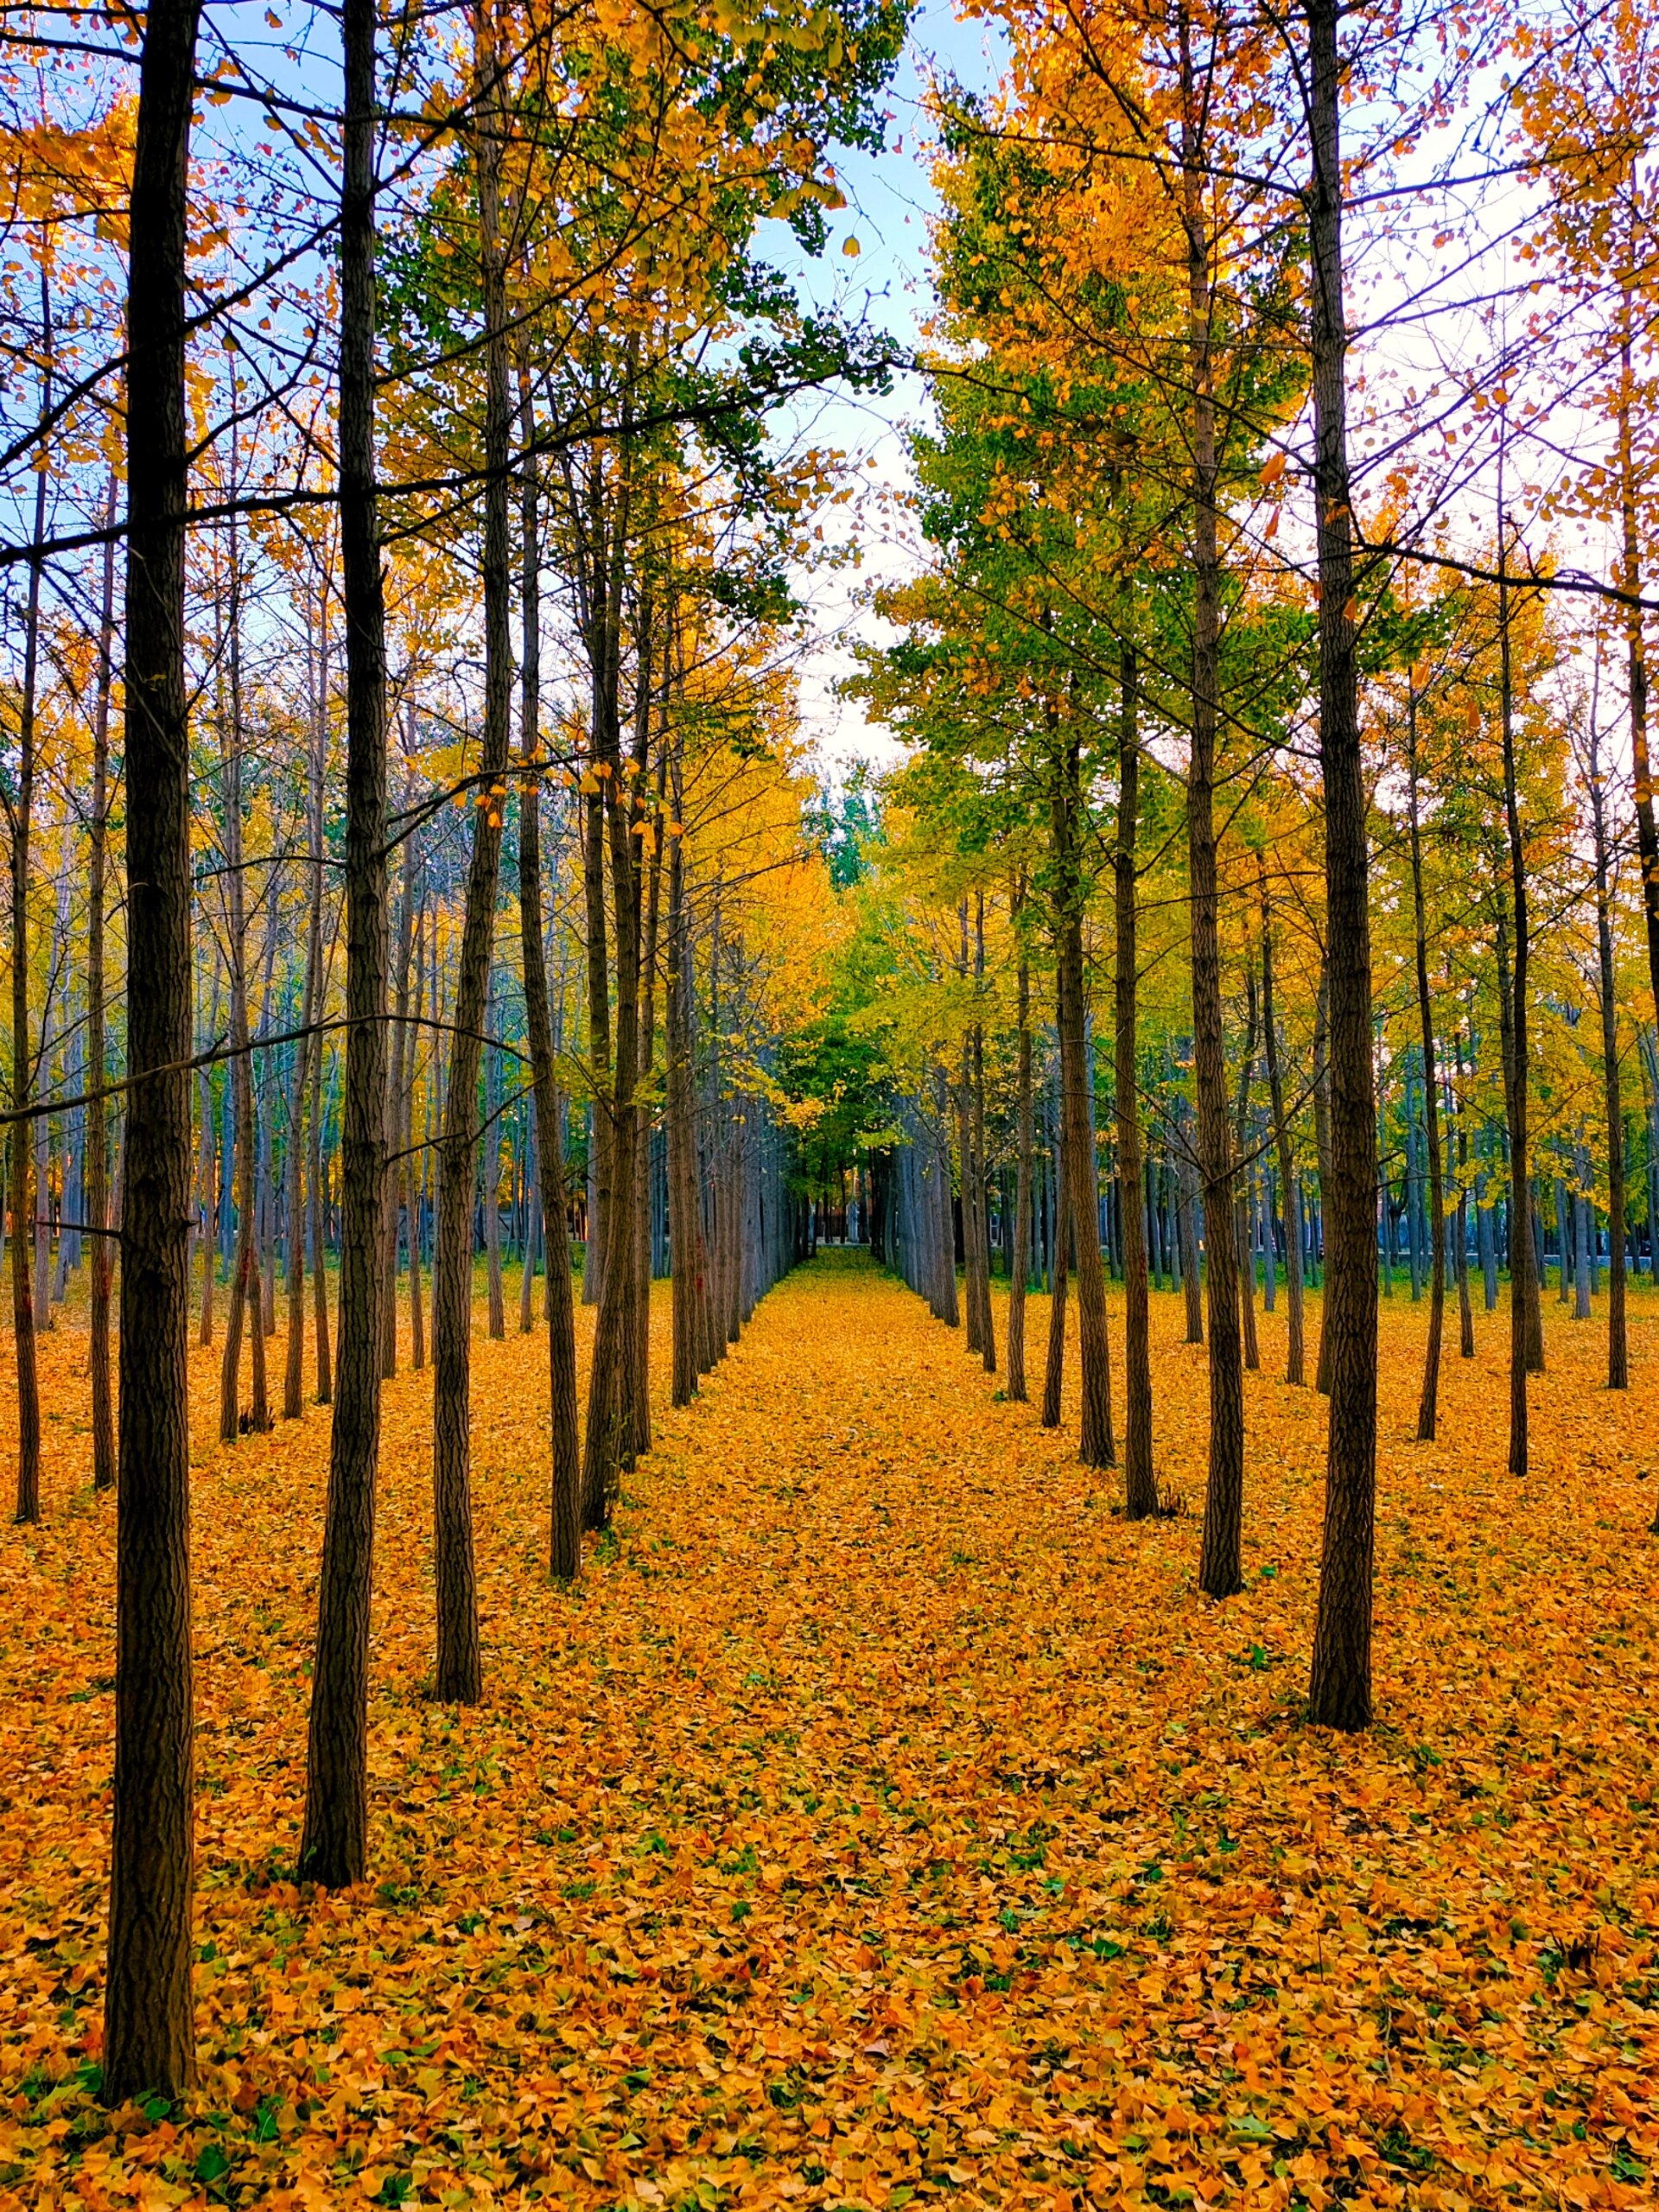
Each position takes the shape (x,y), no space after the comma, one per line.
(1523,1274)
(982,1180)
(564,1547)
(1220,1568)
(1289,1183)
(1022,1261)
(245,1312)
(1141,1487)
(1095,1447)
(309,1047)
(24,1235)
(1428,1405)
(1340,1688)
(333,1847)
(98,1129)
(1054,1368)
(149,2034)
(1618,1358)
(458,1676)
(1241,1200)
(1630,478)
(687,1260)
(414,1165)
(392,1193)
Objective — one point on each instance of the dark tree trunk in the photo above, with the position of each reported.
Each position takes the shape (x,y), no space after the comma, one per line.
(1429,1403)
(686,1256)
(458,1674)
(1220,1568)
(1340,1689)
(564,1547)
(1618,1357)
(24,1236)
(1289,1184)
(149,2035)
(1244,1185)
(1023,1194)
(1095,1446)
(1139,1485)
(1522,1271)
(97,1131)
(333,1847)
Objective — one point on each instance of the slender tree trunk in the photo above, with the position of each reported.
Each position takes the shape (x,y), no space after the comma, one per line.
(1618,1358)
(1141,1487)
(1241,1200)
(1220,1568)
(1021,1264)
(1054,1369)
(1427,1408)
(308,1051)
(98,1131)
(564,1547)
(1289,1184)
(414,1167)
(1340,1688)
(1630,472)
(393,1188)
(149,2034)
(320,1239)
(458,1674)
(333,1847)
(1096,1447)
(686,1257)
(24,1234)
(245,1311)
(1521,1270)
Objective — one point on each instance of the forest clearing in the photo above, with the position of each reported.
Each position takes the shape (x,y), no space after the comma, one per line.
(883,1818)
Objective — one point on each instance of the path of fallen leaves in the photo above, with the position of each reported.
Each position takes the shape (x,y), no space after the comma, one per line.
(883,1819)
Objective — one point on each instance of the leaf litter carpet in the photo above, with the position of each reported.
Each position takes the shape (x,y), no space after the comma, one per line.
(883,1820)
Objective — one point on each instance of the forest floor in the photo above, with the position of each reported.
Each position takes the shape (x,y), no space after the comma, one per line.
(882,1819)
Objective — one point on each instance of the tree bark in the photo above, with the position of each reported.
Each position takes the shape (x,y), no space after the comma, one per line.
(564,1547)
(1618,1357)
(1141,1487)
(97,1131)
(458,1674)
(333,1847)
(1021,1259)
(1289,1184)
(1220,1569)
(1428,1405)
(149,2035)
(1340,1688)
(1095,1446)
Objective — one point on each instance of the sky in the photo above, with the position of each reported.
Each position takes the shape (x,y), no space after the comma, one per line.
(889,201)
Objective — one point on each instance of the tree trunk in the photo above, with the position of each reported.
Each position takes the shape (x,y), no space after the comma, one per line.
(23,1234)
(458,1674)
(333,1847)
(1139,1485)
(1340,1688)
(1289,1183)
(1220,1570)
(1022,1261)
(564,1547)
(1244,1183)
(97,1131)
(1427,1408)
(1632,479)
(1095,1446)
(149,2035)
